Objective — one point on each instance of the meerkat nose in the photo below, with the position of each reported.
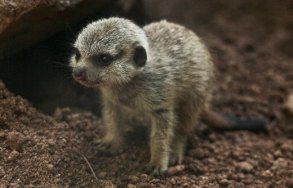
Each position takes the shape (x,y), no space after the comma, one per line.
(78,73)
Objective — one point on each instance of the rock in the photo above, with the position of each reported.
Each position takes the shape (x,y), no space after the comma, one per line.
(175,169)
(224,182)
(50,167)
(131,186)
(133,179)
(13,155)
(288,105)
(15,140)
(2,136)
(280,163)
(195,169)
(287,146)
(102,174)
(2,171)
(34,16)
(244,166)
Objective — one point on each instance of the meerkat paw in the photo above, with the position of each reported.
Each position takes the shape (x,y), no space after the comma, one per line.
(178,150)
(155,169)
(106,148)
(176,159)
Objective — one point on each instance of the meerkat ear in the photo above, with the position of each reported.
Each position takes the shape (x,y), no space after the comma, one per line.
(140,56)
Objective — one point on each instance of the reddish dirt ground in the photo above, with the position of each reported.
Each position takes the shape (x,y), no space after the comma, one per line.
(252,48)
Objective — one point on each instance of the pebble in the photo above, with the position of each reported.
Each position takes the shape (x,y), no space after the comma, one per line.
(13,155)
(200,153)
(267,174)
(50,167)
(224,182)
(155,181)
(2,171)
(245,166)
(131,186)
(280,163)
(173,181)
(195,169)
(2,135)
(102,174)
(15,140)
(175,169)
(287,146)
(289,104)
(133,179)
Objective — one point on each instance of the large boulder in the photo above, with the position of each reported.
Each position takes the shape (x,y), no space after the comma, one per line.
(26,22)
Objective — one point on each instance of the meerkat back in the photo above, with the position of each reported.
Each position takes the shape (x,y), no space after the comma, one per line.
(178,52)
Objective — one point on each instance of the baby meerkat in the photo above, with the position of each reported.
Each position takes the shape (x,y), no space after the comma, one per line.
(162,72)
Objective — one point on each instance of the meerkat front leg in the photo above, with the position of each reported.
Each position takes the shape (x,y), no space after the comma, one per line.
(113,140)
(160,139)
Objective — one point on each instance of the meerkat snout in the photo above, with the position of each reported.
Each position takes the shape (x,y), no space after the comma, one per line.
(78,74)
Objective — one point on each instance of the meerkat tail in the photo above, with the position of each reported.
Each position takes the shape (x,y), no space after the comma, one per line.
(230,122)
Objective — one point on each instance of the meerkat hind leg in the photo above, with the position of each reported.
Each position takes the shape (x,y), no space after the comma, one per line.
(178,148)
(187,115)
(161,136)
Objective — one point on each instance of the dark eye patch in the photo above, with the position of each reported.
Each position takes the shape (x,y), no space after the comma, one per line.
(77,54)
(103,59)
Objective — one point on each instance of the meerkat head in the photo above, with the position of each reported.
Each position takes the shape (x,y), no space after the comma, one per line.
(109,52)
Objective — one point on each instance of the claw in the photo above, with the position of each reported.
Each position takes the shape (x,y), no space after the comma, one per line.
(175,160)
(154,170)
(107,149)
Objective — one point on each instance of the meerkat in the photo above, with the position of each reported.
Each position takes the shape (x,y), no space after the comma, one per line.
(162,72)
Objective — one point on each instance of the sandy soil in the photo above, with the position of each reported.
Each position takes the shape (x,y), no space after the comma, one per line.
(253,54)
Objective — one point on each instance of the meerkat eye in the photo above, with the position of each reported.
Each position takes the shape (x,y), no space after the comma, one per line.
(104,59)
(140,56)
(77,54)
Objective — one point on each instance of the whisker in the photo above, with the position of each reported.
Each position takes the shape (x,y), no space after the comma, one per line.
(59,63)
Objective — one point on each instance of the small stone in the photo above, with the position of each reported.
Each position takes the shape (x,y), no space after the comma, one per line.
(155,180)
(16,185)
(238,185)
(15,140)
(50,167)
(200,153)
(102,174)
(13,155)
(173,181)
(287,146)
(195,169)
(131,186)
(224,182)
(142,184)
(133,179)
(267,174)
(2,171)
(2,136)
(144,176)
(289,104)
(188,160)
(245,166)
(175,169)
(280,163)
(51,142)
(277,153)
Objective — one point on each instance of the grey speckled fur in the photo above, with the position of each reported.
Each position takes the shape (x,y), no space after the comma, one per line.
(171,90)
